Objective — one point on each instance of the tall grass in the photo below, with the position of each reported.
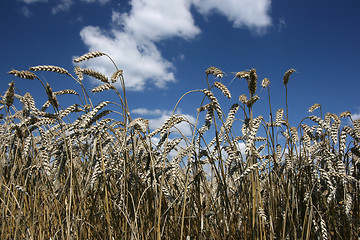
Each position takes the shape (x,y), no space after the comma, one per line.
(90,171)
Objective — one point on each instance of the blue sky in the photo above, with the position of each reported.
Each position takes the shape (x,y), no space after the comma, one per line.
(164,48)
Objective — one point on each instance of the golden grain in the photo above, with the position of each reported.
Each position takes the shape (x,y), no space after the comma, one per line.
(95,74)
(23,74)
(88,56)
(50,68)
(287,76)
(224,89)
(79,172)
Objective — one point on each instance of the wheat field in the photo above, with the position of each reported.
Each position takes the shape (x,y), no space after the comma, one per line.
(91,171)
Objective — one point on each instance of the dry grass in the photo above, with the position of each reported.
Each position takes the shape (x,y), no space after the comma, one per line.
(92,172)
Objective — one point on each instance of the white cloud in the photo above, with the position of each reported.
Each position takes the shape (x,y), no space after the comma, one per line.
(141,61)
(146,112)
(160,19)
(132,39)
(252,14)
(355,116)
(33,1)
(63,6)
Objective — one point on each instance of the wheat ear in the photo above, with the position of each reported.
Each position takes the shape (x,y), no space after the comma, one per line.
(224,89)
(252,81)
(23,74)
(265,82)
(88,56)
(104,87)
(9,95)
(313,107)
(287,76)
(116,75)
(214,101)
(50,68)
(95,74)
(214,71)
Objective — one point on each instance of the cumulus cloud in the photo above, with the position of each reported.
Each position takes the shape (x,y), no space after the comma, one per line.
(156,20)
(160,116)
(133,37)
(252,14)
(132,41)
(141,61)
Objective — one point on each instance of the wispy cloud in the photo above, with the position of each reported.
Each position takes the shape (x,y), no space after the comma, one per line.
(134,34)
(33,1)
(25,11)
(63,6)
(281,24)
(100,1)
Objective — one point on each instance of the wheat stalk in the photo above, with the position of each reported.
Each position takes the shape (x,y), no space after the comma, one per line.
(123,181)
